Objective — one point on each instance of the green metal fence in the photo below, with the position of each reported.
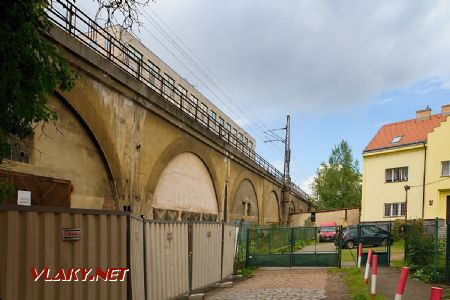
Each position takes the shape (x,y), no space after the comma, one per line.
(425,250)
(290,246)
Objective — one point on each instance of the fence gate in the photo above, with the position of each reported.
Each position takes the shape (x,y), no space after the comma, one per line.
(291,247)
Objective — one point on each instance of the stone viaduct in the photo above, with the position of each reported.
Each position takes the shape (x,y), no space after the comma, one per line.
(122,145)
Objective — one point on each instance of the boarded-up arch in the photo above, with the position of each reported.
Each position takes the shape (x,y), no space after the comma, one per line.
(185,185)
(245,202)
(271,214)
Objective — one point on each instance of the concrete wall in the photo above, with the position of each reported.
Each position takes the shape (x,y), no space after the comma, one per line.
(342,217)
(438,188)
(376,192)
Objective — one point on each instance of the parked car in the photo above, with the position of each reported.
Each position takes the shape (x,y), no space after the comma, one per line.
(327,231)
(370,236)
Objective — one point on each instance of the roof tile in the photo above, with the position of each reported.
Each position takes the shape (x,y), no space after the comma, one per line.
(412,131)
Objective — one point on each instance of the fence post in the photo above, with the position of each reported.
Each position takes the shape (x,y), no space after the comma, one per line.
(436,245)
(221,257)
(447,253)
(292,245)
(340,247)
(247,247)
(190,249)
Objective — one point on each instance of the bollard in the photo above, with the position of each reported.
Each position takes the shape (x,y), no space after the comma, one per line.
(374,275)
(366,274)
(436,293)
(359,255)
(401,283)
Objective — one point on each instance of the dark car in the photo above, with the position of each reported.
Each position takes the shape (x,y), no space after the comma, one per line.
(370,236)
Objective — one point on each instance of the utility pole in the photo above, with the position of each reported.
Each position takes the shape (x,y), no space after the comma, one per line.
(407,188)
(285,191)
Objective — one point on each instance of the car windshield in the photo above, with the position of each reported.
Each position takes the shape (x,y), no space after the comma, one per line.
(327,229)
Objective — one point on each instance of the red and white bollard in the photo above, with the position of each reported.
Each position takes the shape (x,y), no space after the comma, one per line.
(366,274)
(436,293)
(359,255)
(401,283)
(374,275)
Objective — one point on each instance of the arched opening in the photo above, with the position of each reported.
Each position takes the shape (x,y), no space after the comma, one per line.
(185,191)
(245,203)
(271,212)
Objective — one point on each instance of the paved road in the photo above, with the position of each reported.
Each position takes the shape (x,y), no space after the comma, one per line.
(319,247)
(301,284)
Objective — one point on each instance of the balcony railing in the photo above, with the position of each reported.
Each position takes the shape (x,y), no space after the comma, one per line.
(70,18)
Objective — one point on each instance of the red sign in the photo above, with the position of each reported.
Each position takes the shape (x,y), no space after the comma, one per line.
(71,234)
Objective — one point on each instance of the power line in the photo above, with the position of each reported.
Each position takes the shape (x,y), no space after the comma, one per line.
(240,113)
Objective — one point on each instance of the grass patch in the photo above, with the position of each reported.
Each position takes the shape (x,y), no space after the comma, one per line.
(245,271)
(358,290)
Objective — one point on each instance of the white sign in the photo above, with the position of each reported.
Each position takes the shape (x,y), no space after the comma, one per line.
(23,197)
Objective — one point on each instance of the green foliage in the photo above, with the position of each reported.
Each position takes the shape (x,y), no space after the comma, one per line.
(7,191)
(245,271)
(398,229)
(337,182)
(30,69)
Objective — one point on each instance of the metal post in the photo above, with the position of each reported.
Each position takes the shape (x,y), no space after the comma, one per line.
(247,247)
(436,249)
(190,250)
(340,247)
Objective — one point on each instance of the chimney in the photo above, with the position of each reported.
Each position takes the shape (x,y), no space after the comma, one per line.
(423,114)
(446,110)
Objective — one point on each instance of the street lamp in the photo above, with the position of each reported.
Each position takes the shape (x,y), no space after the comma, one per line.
(407,188)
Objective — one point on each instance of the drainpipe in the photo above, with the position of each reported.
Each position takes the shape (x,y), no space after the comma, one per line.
(423,184)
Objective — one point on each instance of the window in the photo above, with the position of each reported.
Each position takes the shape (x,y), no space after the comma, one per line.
(313,217)
(394,209)
(246,208)
(93,44)
(204,113)
(250,144)
(396,139)
(397,174)
(228,127)
(445,168)
(193,99)
(133,60)
(107,44)
(204,107)
(154,71)
(221,121)
(246,141)
(168,86)
(234,131)
(182,90)
(21,150)
(213,115)
(241,137)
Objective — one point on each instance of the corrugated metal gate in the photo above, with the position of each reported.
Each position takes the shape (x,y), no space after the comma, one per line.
(289,247)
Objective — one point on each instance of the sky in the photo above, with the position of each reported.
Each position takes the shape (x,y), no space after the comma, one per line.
(340,69)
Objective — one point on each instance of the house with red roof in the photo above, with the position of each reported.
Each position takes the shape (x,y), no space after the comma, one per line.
(406,169)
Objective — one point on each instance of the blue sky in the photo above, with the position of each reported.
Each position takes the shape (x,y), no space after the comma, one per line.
(341,69)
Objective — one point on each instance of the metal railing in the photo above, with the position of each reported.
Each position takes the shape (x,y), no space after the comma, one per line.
(70,18)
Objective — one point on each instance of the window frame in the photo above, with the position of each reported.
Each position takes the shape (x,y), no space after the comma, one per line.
(399,174)
(398,207)
(448,168)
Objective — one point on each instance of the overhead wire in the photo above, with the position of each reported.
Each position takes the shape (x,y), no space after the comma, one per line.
(240,113)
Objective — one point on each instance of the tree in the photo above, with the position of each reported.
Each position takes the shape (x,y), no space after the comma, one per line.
(30,69)
(337,182)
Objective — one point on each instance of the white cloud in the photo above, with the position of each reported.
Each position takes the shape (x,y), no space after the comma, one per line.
(313,55)
(306,185)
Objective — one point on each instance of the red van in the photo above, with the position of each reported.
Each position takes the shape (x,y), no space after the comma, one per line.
(327,231)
